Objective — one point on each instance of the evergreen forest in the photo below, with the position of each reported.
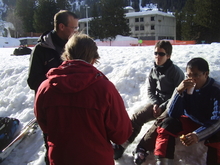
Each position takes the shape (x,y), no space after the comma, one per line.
(195,19)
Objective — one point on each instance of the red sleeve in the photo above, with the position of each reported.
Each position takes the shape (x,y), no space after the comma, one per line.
(118,123)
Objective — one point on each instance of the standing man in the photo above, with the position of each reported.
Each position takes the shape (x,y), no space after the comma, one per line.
(194,115)
(164,77)
(47,52)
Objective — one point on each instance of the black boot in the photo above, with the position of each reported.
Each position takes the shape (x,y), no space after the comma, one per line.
(140,156)
(164,161)
(118,151)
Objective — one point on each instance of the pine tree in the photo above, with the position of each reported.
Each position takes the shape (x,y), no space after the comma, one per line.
(127,2)
(170,5)
(25,9)
(178,5)
(10,5)
(63,4)
(43,15)
(136,5)
(16,21)
(199,20)
(178,16)
(95,23)
(207,17)
(9,2)
(113,19)
(188,26)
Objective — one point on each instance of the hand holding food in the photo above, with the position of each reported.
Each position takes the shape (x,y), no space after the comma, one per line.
(189,139)
(182,138)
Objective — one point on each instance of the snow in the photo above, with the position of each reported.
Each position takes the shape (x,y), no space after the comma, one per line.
(9,42)
(118,41)
(126,67)
(150,12)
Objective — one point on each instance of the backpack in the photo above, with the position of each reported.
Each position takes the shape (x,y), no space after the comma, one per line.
(8,129)
(22,51)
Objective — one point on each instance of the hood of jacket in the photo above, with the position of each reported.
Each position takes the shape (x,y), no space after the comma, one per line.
(46,41)
(73,76)
(52,41)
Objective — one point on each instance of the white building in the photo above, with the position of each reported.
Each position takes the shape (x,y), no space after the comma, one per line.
(146,25)
(152,25)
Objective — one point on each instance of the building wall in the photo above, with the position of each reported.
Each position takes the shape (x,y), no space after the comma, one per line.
(83,25)
(152,27)
(147,25)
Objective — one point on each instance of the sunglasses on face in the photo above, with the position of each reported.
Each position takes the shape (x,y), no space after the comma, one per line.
(159,53)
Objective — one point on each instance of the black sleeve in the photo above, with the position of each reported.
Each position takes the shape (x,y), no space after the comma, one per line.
(36,73)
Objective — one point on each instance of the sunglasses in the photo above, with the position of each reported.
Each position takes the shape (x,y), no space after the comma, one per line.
(159,53)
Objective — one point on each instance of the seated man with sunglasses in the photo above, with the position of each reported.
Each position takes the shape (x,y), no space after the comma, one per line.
(164,77)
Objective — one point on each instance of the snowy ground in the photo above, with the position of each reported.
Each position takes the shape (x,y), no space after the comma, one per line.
(126,67)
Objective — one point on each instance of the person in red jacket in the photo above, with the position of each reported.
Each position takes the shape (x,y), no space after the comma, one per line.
(80,110)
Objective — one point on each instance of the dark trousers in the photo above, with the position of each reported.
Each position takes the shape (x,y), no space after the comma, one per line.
(139,119)
(149,139)
(213,153)
(47,147)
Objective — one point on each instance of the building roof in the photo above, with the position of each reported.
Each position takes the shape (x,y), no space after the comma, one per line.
(151,12)
(85,19)
(136,14)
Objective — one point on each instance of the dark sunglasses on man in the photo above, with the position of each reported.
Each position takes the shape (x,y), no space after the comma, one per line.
(159,53)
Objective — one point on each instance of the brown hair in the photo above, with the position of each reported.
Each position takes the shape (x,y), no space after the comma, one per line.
(62,17)
(166,45)
(80,46)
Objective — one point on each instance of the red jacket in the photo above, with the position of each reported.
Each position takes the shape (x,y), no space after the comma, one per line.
(81,111)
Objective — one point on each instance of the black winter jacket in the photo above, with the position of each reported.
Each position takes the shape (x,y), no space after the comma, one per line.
(45,55)
(162,82)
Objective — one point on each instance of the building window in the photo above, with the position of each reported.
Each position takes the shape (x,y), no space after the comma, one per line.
(136,19)
(141,19)
(136,28)
(142,27)
(152,18)
(152,27)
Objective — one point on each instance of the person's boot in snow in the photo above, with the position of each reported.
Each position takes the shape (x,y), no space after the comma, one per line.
(164,161)
(119,149)
(140,156)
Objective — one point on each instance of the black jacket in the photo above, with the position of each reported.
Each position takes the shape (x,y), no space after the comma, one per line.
(45,55)
(162,82)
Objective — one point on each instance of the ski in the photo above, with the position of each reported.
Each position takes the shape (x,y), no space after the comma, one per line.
(28,130)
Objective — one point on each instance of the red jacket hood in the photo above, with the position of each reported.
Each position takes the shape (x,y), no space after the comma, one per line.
(73,76)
